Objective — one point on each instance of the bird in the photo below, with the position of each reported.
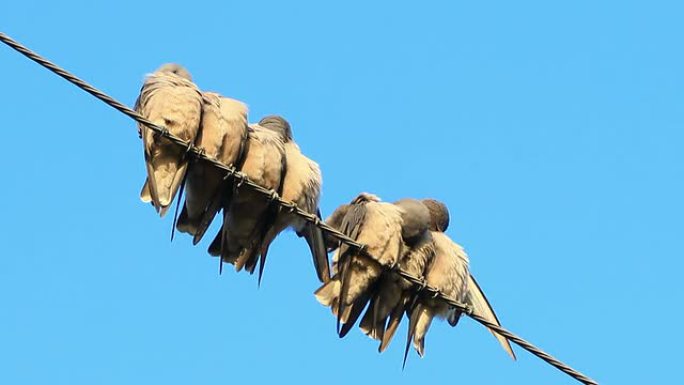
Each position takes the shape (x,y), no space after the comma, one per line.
(394,292)
(249,214)
(170,99)
(302,186)
(223,136)
(448,273)
(416,264)
(376,224)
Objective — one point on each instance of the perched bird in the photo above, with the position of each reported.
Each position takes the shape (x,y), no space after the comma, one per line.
(248,215)
(223,136)
(170,99)
(376,224)
(302,185)
(438,220)
(393,293)
(449,274)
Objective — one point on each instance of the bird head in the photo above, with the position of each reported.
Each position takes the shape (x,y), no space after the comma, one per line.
(175,69)
(365,197)
(278,124)
(439,214)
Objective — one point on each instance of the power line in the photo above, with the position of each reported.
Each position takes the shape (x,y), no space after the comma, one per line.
(241,179)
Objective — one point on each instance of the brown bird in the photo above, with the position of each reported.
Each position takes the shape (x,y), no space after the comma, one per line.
(170,99)
(398,294)
(302,185)
(394,292)
(223,136)
(249,214)
(448,273)
(376,224)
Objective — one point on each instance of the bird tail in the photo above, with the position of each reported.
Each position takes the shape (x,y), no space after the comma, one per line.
(252,255)
(356,309)
(145,194)
(385,299)
(413,317)
(316,240)
(184,224)
(367,324)
(423,318)
(453,317)
(215,246)
(358,276)
(221,199)
(394,320)
(329,292)
(165,176)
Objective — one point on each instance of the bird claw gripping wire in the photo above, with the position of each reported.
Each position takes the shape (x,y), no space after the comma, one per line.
(162,132)
(289,207)
(422,285)
(194,153)
(240,177)
(230,174)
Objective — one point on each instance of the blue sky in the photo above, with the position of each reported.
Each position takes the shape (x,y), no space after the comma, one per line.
(552,131)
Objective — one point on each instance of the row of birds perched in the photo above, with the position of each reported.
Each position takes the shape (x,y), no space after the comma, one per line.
(406,235)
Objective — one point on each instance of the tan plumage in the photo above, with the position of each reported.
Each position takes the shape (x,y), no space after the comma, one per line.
(376,224)
(170,99)
(248,215)
(302,185)
(393,293)
(223,135)
(447,273)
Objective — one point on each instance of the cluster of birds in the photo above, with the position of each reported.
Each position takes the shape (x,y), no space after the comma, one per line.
(407,235)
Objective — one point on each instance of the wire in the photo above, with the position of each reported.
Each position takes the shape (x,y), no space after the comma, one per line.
(241,178)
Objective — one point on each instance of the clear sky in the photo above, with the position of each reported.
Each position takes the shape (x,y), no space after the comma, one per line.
(553,132)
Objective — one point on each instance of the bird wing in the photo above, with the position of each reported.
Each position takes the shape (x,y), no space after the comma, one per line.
(302,186)
(174,103)
(203,179)
(250,214)
(381,233)
(335,221)
(448,271)
(481,306)
(229,151)
(315,239)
